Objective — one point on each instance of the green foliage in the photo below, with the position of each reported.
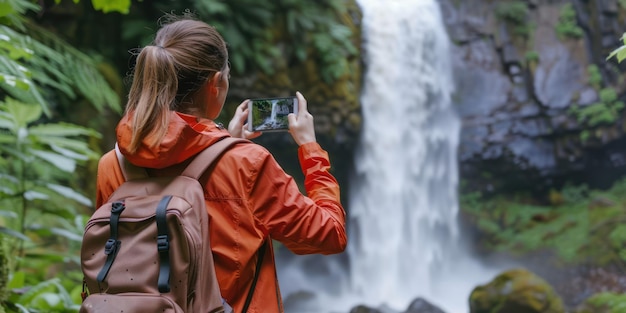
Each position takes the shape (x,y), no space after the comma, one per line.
(36,199)
(265,34)
(11,11)
(605,111)
(605,302)
(619,53)
(49,296)
(595,78)
(515,14)
(513,11)
(107,6)
(49,67)
(567,26)
(40,208)
(532,56)
(584,226)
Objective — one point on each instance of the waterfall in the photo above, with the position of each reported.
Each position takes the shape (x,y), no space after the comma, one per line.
(404,240)
(403,201)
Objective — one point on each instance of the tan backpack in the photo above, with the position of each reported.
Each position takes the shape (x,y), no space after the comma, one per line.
(145,250)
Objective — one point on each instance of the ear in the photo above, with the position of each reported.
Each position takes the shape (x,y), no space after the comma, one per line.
(215,83)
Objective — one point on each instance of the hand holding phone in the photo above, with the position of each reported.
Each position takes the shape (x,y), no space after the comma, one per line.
(270,114)
(301,125)
(237,126)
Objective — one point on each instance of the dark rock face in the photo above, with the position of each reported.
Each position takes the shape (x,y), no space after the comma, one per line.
(517,79)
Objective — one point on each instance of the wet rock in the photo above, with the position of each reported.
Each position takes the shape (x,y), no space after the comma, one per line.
(420,305)
(516,291)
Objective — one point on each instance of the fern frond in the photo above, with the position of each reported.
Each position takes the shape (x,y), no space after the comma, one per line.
(59,65)
(79,68)
(45,286)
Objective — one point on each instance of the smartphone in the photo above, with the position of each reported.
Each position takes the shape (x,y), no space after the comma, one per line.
(270,114)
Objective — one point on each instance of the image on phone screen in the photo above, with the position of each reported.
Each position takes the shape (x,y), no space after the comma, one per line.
(270,114)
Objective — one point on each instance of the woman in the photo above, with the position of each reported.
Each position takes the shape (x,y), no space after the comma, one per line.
(179,86)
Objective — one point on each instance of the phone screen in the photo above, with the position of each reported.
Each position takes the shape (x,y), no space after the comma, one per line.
(270,114)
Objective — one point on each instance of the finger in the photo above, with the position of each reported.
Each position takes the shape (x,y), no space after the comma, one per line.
(243,105)
(302,105)
(251,135)
(243,117)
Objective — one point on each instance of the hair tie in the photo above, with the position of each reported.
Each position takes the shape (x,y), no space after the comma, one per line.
(159,46)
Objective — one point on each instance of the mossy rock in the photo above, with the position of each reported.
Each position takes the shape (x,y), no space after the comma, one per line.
(516,291)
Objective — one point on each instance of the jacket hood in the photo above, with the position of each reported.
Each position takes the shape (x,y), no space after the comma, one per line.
(186,136)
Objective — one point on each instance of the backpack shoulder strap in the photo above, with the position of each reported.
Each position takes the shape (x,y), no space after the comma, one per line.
(129,170)
(207,156)
(194,170)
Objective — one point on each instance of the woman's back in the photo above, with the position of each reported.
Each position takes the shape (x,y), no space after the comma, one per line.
(250,200)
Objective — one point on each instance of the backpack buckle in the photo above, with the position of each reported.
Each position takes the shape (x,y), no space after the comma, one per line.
(117,207)
(111,246)
(163,243)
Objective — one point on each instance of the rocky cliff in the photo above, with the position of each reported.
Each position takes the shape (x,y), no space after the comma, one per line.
(541,106)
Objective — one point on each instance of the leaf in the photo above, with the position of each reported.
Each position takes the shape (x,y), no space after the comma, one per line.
(8,214)
(6,9)
(42,287)
(62,130)
(47,301)
(70,194)
(60,161)
(107,6)
(620,53)
(13,233)
(31,195)
(67,234)
(69,153)
(17,281)
(75,145)
(22,113)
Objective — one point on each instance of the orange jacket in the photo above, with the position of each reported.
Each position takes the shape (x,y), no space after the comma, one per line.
(250,199)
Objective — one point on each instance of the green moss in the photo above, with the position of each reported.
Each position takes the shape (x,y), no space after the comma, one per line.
(605,302)
(567,26)
(516,290)
(595,78)
(513,11)
(582,226)
(532,56)
(605,111)
(515,14)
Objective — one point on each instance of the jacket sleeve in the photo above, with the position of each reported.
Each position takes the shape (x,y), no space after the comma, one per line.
(109,177)
(304,224)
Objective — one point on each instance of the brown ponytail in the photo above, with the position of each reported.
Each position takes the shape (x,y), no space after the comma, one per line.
(184,55)
(151,95)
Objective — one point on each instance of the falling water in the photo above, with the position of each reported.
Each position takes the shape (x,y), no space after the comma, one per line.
(404,241)
(404,197)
